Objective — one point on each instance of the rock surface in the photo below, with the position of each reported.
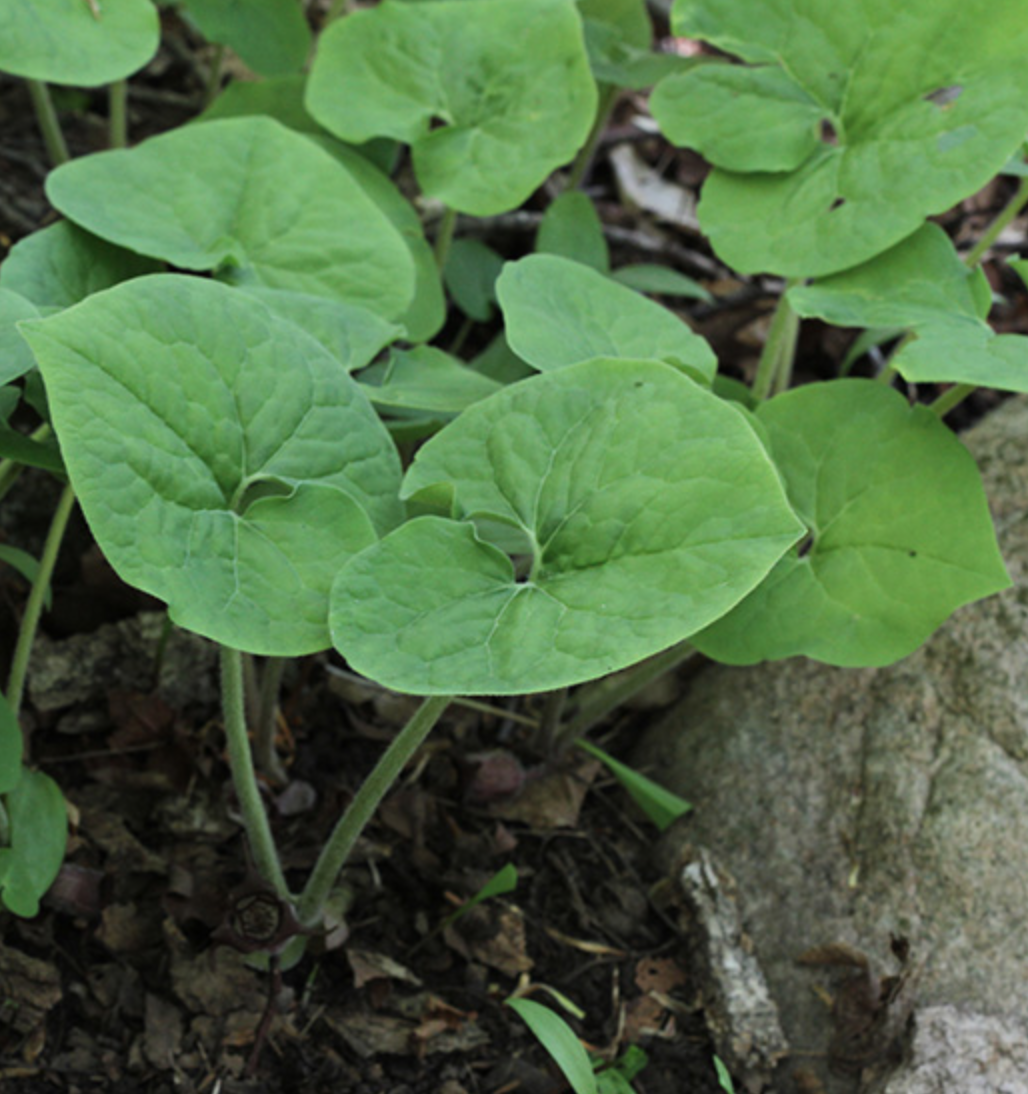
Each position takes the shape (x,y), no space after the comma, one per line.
(858,806)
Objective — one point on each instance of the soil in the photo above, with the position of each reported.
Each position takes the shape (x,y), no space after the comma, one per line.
(131,978)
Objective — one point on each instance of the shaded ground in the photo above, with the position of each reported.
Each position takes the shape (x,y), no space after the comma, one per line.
(118,985)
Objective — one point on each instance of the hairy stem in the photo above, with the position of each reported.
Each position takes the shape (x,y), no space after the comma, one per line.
(371,792)
(584,159)
(776,359)
(444,236)
(1003,218)
(255,819)
(49,126)
(267,715)
(37,596)
(950,398)
(607,695)
(117,98)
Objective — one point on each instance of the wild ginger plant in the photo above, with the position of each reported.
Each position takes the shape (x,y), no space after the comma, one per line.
(597,500)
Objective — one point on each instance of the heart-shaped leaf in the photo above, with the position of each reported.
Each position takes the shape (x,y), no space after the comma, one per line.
(250,199)
(352,334)
(644,504)
(62,264)
(426,378)
(850,124)
(272,36)
(558,312)
(492,95)
(922,283)
(76,42)
(899,532)
(39,834)
(225,461)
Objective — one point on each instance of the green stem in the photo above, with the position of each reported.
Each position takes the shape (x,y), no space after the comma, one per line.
(444,236)
(5,827)
(371,792)
(37,596)
(608,100)
(117,99)
(951,398)
(267,714)
(779,348)
(50,127)
(607,695)
(552,712)
(255,819)
(214,76)
(11,469)
(1003,218)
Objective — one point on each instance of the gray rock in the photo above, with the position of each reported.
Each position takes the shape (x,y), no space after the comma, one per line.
(856,805)
(955,1051)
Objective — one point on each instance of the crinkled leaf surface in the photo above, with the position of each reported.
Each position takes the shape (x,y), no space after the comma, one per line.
(558,312)
(248,198)
(922,283)
(924,102)
(15,356)
(63,41)
(352,334)
(271,36)
(225,461)
(39,835)
(426,378)
(702,109)
(571,228)
(645,502)
(900,532)
(492,95)
(62,264)
(11,747)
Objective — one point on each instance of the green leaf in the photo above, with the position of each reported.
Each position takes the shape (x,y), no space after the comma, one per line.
(723,1077)
(426,378)
(271,36)
(352,334)
(65,42)
(39,834)
(492,95)
(646,505)
(15,357)
(701,108)
(11,747)
(44,454)
(559,1040)
(618,37)
(250,199)
(571,228)
(471,271)
(28,567)
(500,363)
(660,281)
(899,532)
(505,880)
(60,265)
(923,284)
(924,102)
(559,312)
(659,804)
(223,459)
